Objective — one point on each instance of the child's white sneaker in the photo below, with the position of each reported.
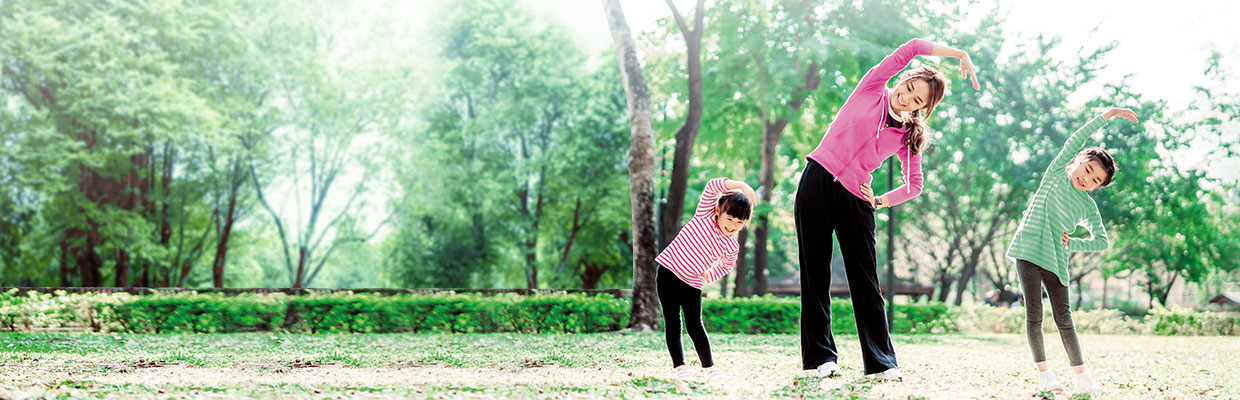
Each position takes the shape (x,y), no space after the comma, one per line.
(1047,382)
(681,379)
(828,369)
(1085,384)
(713,374)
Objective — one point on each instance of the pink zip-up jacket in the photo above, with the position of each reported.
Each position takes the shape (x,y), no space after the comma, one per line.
(856,144)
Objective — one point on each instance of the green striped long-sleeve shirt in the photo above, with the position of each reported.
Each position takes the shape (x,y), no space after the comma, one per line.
(1057,207)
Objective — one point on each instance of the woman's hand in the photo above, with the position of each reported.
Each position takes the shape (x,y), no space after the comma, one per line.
(1065,239)
(967,68)
(1120,112)
(867,194)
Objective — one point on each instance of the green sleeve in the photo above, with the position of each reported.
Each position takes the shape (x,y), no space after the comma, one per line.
(1075,142)
(1097,235)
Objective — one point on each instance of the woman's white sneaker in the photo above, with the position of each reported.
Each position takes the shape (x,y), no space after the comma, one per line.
(829,369)
(891,375)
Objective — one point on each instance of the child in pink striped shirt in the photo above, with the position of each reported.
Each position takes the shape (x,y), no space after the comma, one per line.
(704,251)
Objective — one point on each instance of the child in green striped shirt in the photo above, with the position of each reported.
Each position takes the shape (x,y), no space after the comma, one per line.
(1041,245)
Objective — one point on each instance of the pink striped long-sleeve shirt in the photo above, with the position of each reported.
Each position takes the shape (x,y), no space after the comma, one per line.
(701,252)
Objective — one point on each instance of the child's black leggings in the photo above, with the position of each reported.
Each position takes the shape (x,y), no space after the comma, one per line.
(675,295)
(1032,278)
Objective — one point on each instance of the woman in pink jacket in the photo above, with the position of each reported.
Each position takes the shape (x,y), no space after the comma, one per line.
(835,196)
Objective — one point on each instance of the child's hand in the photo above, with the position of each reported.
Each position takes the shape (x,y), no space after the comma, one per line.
(1120,112)
(1065,239)
(743,188)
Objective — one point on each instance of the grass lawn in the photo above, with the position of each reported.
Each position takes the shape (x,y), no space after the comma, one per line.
(587,366)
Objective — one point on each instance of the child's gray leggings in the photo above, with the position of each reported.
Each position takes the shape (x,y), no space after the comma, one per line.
(1032,278)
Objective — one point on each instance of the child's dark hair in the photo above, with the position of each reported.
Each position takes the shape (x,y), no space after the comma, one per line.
(1103,159)
(735,204)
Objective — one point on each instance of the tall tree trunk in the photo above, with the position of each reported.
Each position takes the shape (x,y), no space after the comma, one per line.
(531,242)
(670,223)
(221,248)
(122,268)
(766,177)
(64,263)
(945,287)
(772,130)
(1164,293)
(1104,291)
(165,228)
(966,276)
(644,313)
(301,267)
(1149,289)
(572,234)
(740,272)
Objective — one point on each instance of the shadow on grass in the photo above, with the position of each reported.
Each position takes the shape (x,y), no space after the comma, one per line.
(658,386)
(812,387)
(1053,396)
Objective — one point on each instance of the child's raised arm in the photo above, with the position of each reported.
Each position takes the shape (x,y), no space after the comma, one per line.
(1076,141)
(715,188)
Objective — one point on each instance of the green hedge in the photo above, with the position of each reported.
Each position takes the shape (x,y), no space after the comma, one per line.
(1181,321)
(197,313)
(576,313)
(461,313)
(769,314)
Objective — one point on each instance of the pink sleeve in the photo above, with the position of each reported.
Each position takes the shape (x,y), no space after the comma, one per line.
(878,76)
(710,196)
(725,267)
(910,168)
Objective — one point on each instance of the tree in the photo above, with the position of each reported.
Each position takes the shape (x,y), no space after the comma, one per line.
(583,199)
(1171,222)
(644,312)
(330,102)
(538,139)
(669,224)
(109,102)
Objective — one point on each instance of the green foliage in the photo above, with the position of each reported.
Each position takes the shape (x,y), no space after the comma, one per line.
(40,311)
(504,142)
(770,314)
(976,318)
(347,312)
(456,313)
(767,314)
(515,169)
(1181,321)
(199,313)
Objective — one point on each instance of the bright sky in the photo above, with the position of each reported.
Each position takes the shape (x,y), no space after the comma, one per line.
(1163,44)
